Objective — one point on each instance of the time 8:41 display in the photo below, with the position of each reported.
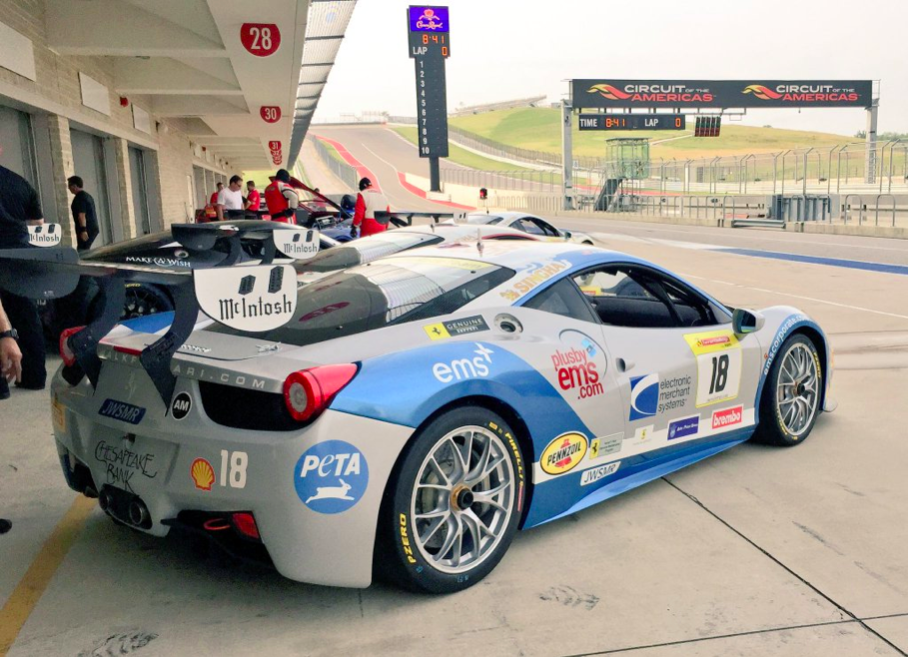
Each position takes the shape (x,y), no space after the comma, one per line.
(632,122)
(430,45)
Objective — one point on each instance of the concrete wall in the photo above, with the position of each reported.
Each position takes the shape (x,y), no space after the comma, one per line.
(54,102)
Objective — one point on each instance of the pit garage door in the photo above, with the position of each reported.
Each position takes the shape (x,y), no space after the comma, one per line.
(17,150)
(89,160)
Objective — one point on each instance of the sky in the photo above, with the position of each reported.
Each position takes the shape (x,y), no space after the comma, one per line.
(508,49)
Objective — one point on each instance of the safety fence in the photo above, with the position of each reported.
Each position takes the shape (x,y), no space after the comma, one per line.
(331,159)
(883,210)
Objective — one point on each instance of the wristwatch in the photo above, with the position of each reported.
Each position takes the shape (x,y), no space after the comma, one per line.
(12,333)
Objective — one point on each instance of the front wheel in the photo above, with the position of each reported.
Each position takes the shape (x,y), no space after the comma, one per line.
(790,403)
(453,503)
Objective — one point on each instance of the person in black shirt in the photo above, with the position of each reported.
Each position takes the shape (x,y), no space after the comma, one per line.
(19,208)
(84,216)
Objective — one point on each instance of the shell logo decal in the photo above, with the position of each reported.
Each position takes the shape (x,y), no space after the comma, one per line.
(563,454)
(202,474)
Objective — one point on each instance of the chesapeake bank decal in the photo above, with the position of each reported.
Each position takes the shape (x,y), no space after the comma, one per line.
(260,298)
(297,244)
(45,235)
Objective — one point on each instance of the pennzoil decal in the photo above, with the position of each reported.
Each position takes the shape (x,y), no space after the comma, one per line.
(297,244)
(563,454)
(260,298)
(45,235)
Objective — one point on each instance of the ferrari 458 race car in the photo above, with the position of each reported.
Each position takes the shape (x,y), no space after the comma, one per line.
(529,224)
(404,418)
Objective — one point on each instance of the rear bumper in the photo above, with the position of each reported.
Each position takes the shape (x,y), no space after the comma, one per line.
(235,470)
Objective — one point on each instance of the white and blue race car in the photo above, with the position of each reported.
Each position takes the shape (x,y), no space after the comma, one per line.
(404,418)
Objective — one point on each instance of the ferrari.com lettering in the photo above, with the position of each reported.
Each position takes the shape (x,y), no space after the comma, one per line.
(332,465)
(221,377)
(465,368)
(575,370)
(231,309)
(405,540)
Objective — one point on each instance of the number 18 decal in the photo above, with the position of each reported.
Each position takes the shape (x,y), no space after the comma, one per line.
(233,469)
(718,366)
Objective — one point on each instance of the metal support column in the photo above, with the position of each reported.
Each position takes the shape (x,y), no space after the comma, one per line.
(567,156)
(870,152)
(434,174)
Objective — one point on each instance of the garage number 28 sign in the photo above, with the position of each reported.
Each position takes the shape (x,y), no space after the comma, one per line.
(260,39)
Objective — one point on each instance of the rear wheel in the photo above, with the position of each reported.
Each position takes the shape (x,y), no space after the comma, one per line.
(790,403)
(142,300)
(453,503)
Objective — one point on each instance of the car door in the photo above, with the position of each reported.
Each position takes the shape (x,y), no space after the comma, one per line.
(678,364)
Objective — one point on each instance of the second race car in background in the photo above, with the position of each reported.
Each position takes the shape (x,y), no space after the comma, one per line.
(529,224)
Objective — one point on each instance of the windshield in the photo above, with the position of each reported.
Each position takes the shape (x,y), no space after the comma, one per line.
(364,250)
(380,294)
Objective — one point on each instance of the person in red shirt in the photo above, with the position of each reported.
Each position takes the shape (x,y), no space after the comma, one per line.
(281,199)
(368,201)
(253,199)
(214,197)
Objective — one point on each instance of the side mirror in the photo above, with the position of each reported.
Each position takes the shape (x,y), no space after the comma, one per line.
(746,321)
(566,234)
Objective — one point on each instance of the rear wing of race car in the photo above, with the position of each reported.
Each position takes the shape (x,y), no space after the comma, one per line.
(401,218)
(251,298)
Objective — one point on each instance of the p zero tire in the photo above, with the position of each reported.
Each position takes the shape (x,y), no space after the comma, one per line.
(453,503)
(792,394)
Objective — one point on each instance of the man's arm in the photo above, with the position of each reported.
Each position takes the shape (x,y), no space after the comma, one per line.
(221,205)
(10,356)
(33,210)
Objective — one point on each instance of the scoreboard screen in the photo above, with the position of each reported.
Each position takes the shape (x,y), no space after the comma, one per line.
(430,45)
(632,122)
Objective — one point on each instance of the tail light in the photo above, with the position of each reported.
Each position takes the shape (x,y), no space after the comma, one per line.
(308,392)
(69,358)
(244,523)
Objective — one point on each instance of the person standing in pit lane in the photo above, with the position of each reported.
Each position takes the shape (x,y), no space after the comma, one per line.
(10,370)
(281,199)
(213,201)
(253,200)
(230,200)
(368,201)
(20,208)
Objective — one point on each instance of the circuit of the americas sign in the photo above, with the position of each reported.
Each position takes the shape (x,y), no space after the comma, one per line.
(610,93)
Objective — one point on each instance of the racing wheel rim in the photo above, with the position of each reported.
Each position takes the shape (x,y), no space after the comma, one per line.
(462,499)
(141,302)
(797,390)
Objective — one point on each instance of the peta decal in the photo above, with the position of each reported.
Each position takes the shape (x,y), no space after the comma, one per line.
(117,410)
(579,366)
(563,454)
(465,368)
(331,477)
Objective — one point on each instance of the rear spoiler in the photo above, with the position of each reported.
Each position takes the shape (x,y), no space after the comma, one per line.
(250,298)
(406,216)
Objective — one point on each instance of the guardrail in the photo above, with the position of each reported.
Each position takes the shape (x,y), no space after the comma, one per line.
(343,171)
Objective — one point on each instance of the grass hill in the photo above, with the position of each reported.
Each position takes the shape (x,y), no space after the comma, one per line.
(540,129)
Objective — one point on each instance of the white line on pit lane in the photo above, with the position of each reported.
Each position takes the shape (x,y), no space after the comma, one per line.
(796,296)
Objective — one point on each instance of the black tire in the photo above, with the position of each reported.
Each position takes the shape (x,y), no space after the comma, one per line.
(774,427)
(588,243)
(400,557)
(143,299)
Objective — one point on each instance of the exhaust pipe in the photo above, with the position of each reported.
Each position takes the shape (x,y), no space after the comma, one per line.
(138,513)
(105,501)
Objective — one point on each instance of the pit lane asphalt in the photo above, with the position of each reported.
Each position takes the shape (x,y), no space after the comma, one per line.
(756,551)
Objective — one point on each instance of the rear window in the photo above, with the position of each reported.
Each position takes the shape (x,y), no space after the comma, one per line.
(380,294)
(364,251)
